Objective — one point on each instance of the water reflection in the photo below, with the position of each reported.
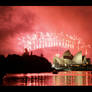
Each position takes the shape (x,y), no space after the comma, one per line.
(67,78)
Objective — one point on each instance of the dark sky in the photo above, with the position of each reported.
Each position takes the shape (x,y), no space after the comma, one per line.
(14,20)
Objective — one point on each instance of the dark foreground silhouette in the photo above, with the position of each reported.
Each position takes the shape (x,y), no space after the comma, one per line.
(23,64)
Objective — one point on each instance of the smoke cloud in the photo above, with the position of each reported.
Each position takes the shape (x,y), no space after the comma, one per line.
(72,20)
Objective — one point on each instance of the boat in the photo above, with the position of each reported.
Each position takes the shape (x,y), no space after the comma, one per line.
(55,72)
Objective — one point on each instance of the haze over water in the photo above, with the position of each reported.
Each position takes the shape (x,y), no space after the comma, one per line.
(65,78)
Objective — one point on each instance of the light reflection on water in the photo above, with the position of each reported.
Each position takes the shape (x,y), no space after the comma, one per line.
(67,78)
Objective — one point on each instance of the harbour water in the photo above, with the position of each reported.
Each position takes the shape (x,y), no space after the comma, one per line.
(65,78)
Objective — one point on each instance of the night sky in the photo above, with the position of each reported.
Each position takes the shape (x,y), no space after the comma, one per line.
(20,22)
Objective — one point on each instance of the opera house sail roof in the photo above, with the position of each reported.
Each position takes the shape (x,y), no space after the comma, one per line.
(77,59)
(68,59)
(67,53)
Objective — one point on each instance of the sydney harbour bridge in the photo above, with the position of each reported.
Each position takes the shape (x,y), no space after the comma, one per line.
(47,43)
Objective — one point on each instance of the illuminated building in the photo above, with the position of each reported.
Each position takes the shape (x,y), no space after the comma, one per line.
(68,60)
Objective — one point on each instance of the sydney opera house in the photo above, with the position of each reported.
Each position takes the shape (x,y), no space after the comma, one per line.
(68,60)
